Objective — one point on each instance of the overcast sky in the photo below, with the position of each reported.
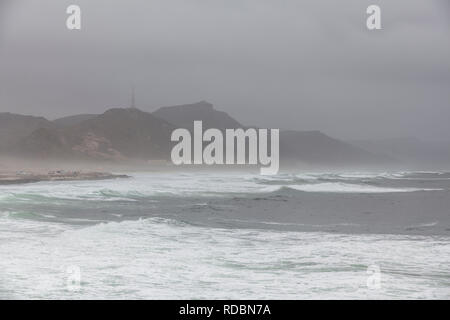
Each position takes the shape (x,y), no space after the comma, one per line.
(306,65)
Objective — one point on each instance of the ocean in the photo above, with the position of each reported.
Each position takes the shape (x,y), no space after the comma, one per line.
(228,235)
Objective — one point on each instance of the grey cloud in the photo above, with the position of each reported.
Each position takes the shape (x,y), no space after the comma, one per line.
(290,64)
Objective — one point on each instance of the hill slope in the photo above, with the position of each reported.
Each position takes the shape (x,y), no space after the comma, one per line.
(14,127)
(73,120)
(117,134)
(314,147)
(183,116)
(127,134)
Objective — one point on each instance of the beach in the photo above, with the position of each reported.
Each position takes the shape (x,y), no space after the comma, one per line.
(22,177)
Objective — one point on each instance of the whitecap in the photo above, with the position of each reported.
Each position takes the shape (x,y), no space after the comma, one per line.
(339,187)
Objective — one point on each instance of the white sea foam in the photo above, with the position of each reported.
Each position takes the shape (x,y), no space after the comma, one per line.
(423,225)
(339,187)
(140,186)
(152,185)
(159,258)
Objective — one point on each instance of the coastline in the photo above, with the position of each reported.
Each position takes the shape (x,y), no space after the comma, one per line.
(25,178)
(277,206)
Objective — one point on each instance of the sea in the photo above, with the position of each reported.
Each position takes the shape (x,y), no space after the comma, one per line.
(228,235)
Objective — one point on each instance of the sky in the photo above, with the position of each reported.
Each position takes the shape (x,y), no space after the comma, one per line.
(291,64)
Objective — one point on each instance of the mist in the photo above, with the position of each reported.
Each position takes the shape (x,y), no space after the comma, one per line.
(303,65)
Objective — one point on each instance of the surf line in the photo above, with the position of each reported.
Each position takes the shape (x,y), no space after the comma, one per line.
(236,143)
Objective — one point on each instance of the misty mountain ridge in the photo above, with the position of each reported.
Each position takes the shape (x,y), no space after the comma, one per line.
(14,127)
(122,134)
(315,147)
(73,120)
(117,134)
(183,116)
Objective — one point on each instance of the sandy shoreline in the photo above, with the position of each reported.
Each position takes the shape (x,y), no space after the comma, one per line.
(28,177)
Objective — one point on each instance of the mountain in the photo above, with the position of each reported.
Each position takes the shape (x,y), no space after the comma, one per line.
(117,134)
(314,147)
(309,147)
(46,142)
(183,116)
(73,120)
(14,127)
(132,134)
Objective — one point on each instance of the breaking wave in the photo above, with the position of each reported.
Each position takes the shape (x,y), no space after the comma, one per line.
(147,258)
(339,187)
(150,187)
